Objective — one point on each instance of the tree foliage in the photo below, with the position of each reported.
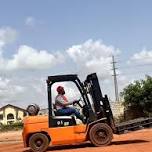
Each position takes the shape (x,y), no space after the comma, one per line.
(138,95)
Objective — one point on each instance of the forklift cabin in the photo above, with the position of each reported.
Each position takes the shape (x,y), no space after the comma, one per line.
(93,110)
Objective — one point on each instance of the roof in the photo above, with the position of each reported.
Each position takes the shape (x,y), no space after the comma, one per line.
(58,78)
(16,107)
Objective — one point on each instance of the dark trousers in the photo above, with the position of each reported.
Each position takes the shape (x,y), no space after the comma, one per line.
(69,111)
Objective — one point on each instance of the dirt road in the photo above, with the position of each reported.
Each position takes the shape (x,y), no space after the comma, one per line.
(139,141)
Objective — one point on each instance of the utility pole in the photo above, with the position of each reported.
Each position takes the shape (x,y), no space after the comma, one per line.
(115,79)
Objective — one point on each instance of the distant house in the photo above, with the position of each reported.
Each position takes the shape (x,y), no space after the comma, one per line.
(10,114)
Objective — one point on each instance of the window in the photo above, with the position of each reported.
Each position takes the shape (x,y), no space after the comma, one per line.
(10,116)
(71,93)
(71,90)
(1,117)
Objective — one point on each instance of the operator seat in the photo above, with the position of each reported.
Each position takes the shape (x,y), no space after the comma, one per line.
(59,116)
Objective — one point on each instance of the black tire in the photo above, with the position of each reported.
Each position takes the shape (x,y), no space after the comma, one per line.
(38,142)
(100,134)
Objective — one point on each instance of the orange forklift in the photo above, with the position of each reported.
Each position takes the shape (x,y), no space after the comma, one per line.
(39,131)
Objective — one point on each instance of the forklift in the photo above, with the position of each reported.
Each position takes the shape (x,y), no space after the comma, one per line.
(40,132)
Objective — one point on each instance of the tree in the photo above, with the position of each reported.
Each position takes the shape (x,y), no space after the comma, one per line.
(138,97)
(147,94)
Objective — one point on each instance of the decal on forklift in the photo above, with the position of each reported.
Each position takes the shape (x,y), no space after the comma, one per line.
(66,123)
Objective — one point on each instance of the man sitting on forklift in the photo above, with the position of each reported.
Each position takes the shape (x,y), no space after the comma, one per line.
(61,105)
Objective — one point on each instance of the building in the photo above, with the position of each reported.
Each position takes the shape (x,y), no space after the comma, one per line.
(10,114)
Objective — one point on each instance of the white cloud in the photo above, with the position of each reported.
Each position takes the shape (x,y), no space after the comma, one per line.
(93,56)
(30,58)
(8,90)
(26,56)
(145,56)
(30,21)
(7,35)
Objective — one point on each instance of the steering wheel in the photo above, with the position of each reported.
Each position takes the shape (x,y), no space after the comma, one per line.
(78,102)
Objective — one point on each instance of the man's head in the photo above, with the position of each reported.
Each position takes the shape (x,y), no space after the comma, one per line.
(60,90)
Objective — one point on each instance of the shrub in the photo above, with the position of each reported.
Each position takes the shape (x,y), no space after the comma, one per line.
(10,127)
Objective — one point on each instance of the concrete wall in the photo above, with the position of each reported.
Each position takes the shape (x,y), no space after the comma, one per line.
(117,108)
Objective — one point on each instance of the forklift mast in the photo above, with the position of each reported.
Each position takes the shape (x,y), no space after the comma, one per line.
(101,104)
(95,91)
(103,110)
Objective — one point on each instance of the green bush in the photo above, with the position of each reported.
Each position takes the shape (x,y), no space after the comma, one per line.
(11,127)
(138,98)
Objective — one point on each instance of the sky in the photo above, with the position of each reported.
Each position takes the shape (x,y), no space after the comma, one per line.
(52,37)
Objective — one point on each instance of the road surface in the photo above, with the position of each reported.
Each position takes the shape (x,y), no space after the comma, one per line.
(138,141)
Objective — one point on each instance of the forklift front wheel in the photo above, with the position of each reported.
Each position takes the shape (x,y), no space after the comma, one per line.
(38,142)
(100,134)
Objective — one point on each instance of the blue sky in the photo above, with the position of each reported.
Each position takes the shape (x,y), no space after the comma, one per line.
(124,24)
(64,28)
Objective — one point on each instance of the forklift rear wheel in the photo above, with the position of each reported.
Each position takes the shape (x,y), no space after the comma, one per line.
(100,134)
(38,142)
